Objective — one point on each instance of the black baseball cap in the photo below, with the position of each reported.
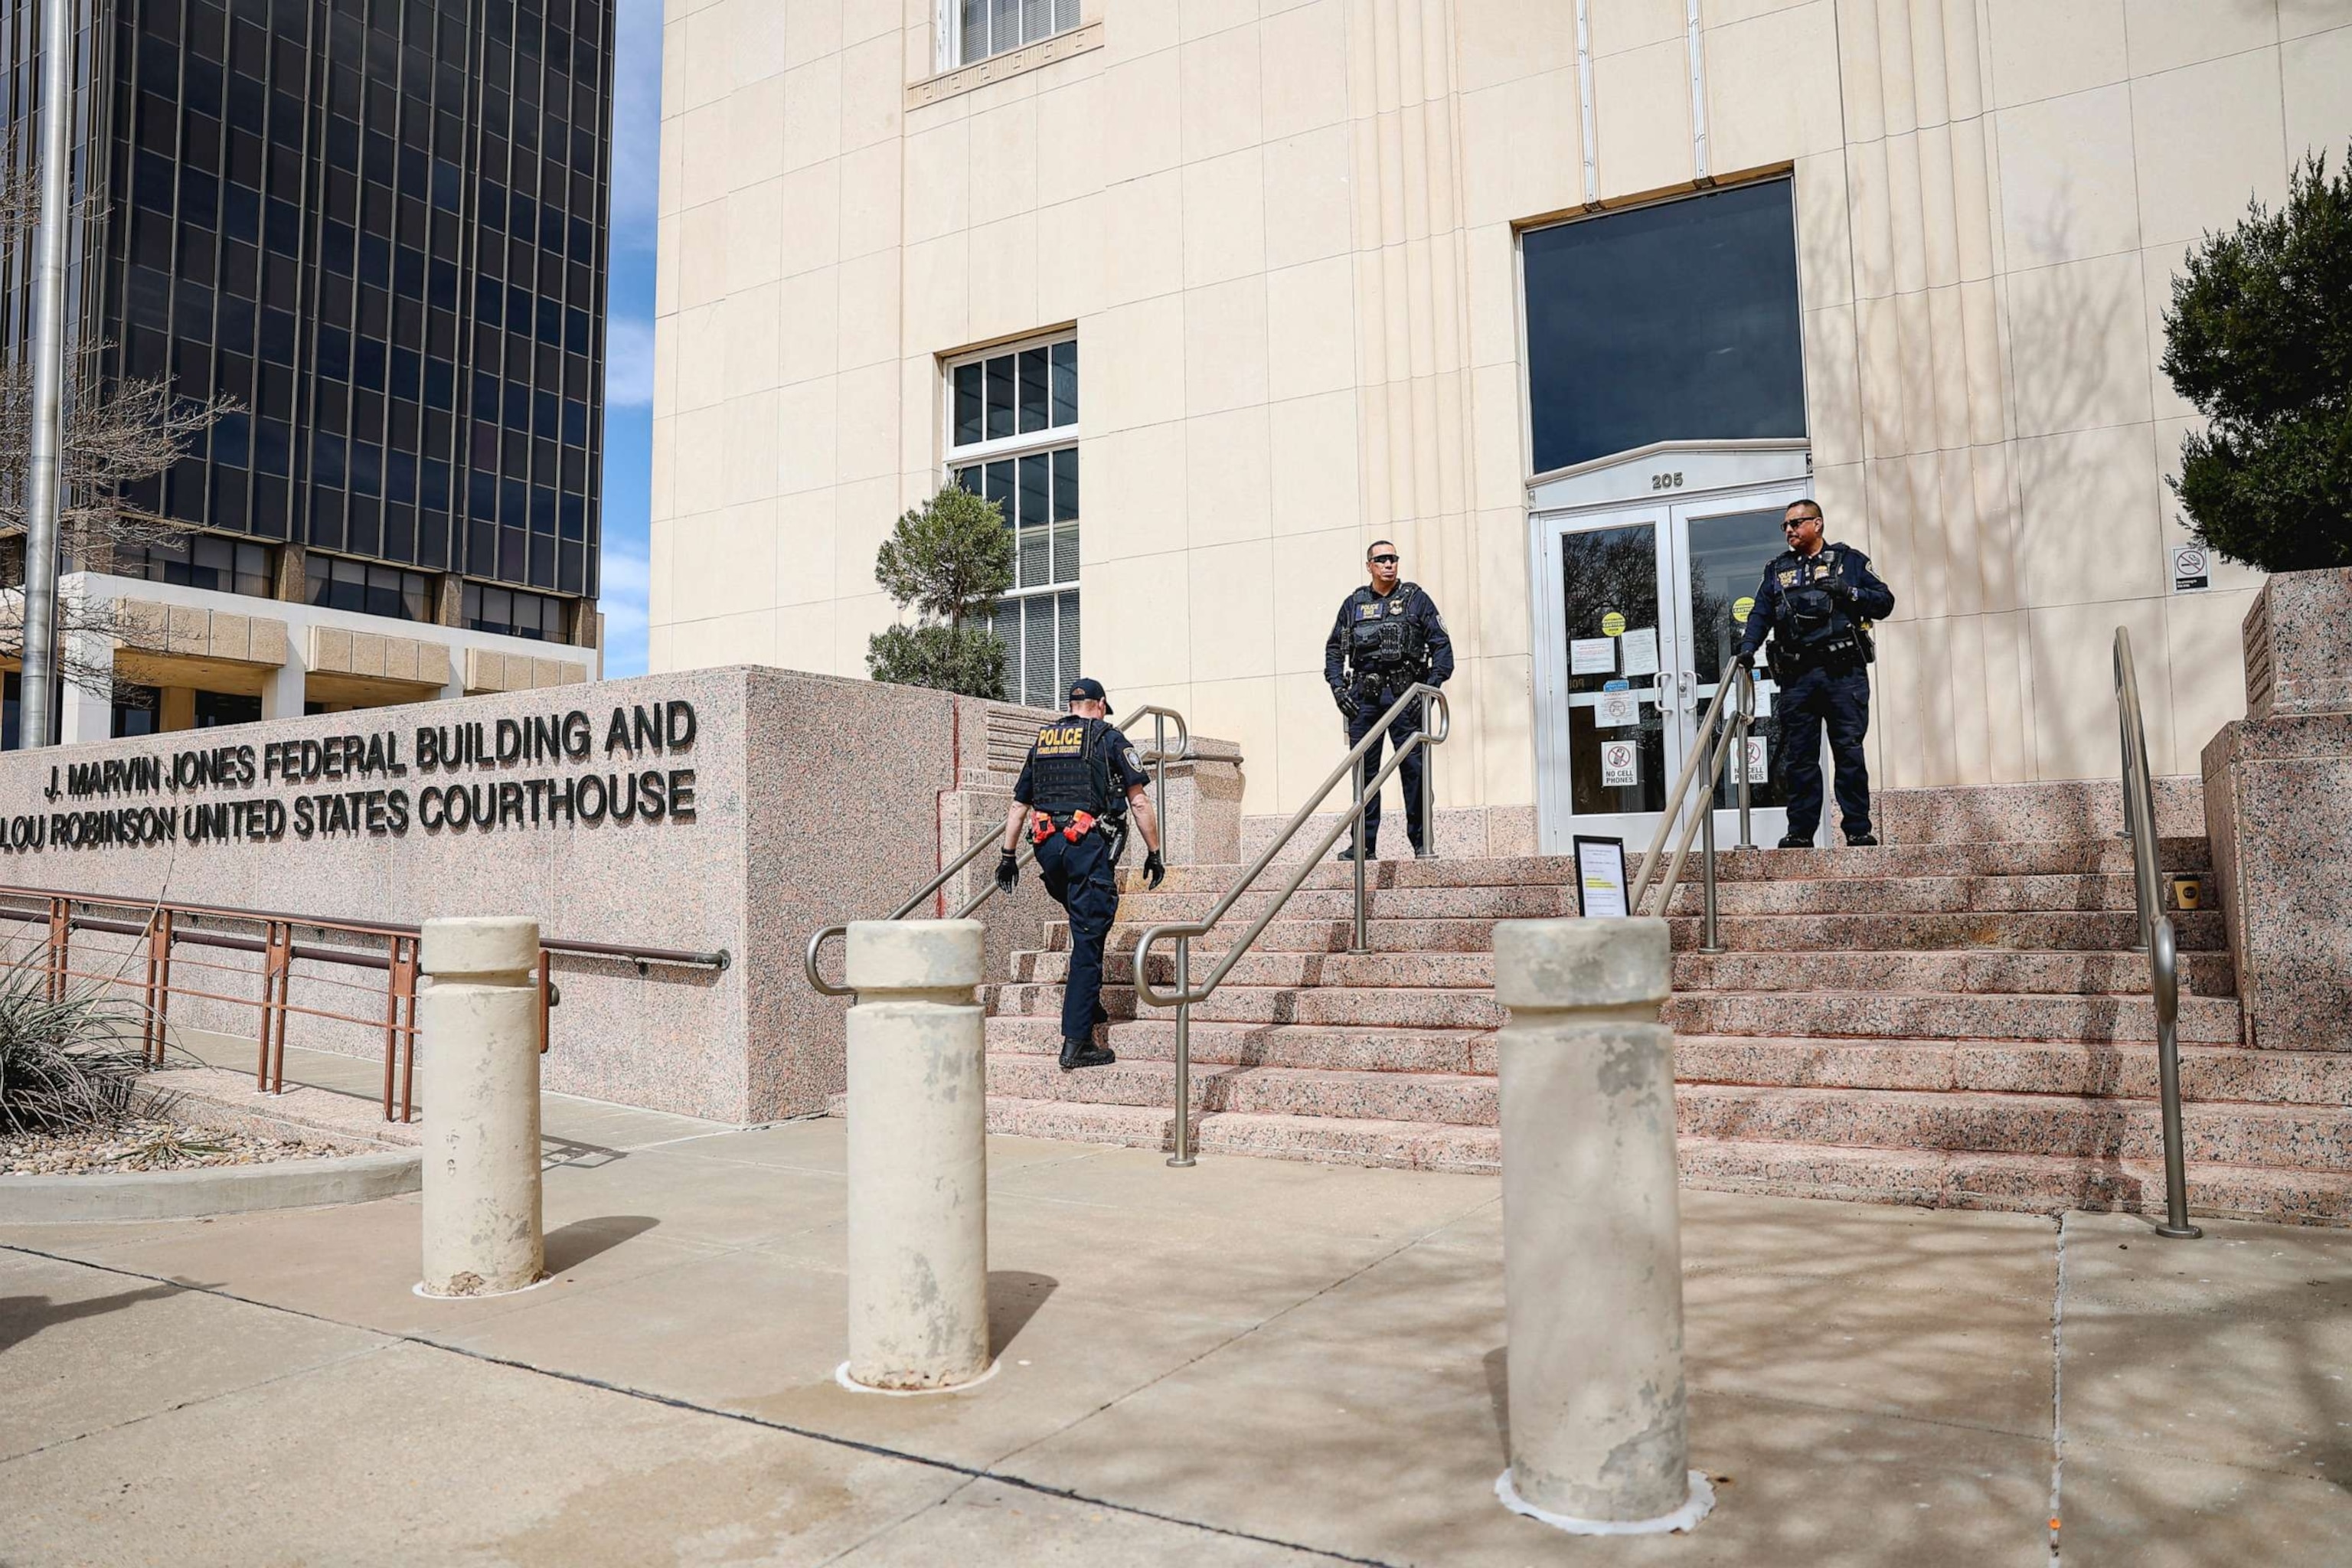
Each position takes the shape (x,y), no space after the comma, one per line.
(1088,688)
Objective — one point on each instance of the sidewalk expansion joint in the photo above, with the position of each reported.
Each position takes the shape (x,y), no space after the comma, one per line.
(2057,1389)
(879,1450)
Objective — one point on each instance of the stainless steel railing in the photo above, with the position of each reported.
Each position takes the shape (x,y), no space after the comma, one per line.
(2155,936)
(1438,724)
(1158,757)
(1720,736)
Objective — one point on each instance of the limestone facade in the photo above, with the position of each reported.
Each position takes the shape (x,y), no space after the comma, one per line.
(1287,234)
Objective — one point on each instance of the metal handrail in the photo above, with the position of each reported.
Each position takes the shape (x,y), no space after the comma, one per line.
(818,983)
(2156,935)
(1439,724)
(1713,744)
(1160,756)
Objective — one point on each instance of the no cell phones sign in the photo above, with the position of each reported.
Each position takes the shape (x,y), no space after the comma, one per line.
(1621,764)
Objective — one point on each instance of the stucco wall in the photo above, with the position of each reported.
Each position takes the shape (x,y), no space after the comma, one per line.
(1287,234)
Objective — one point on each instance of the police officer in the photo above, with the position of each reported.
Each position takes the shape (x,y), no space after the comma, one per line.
(1817,602)
(1076,767)
(1387,638)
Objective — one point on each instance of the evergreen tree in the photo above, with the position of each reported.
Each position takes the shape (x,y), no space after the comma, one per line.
(947,560)
(2259,337)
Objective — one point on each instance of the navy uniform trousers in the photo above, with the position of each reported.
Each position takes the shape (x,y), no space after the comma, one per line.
(1408,724)
(1080,879)
(1840,698)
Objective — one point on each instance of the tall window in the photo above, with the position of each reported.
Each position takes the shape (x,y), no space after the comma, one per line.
(1013,436)
(1677,321)
(985,28)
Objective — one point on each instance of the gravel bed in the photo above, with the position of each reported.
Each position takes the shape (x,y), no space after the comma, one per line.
(148,1144)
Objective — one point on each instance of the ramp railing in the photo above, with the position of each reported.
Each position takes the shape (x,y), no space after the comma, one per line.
(2155,936)
(1437,725)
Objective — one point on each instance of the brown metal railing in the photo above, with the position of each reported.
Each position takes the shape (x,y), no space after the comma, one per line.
(384,947)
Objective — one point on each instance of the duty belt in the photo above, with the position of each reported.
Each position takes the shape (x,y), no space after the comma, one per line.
(1041,826)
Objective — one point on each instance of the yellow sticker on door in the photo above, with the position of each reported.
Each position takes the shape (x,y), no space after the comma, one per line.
(1612,624)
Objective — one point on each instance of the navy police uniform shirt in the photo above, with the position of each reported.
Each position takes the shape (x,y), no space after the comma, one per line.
(1872,600)
(1125,767)
(1408,600)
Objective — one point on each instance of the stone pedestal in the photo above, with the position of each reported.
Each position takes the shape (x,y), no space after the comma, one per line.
(917,1174)
(2278,811)
(1591,1231)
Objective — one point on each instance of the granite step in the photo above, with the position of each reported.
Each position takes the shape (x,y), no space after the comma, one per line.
(2023,857)
(1911,895)
(1290,934)
(2027,1184)
(1971,970)
(2198,931)
(1468,970)
(1395,1006)
(1955,1121)
(2046,930)
(1344,1048)
(2210,1020)
(2213,1074)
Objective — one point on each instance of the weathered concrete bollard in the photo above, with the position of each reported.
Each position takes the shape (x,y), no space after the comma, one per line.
(1591,1231)
(918,1157)
(478,1025)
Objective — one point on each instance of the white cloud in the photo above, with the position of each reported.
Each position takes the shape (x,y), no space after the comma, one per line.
(636,122)
(628,362)
(621,598)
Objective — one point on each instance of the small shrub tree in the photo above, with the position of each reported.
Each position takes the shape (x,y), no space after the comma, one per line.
(66,1062)
(947,560)
(2259,337)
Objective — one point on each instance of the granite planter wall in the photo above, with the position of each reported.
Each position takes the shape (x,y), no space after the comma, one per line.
(788,802)
(2278,810)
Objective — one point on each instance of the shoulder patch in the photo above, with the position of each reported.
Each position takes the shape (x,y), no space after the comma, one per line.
(1134,760)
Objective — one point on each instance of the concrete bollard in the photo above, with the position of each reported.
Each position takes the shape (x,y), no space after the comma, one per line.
(479,1026)
(1591,1231)
(917,1158)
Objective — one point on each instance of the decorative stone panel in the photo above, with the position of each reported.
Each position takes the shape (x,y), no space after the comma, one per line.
(371,656)
(487,669)
(188,632)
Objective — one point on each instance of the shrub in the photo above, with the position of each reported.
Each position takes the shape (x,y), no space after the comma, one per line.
(947,560)
(66,1063)
(2259,337)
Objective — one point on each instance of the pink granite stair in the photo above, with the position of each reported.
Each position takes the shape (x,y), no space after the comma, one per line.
(1954,1019)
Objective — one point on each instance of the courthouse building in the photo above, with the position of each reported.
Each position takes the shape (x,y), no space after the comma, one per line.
(1569,298)
(379,229)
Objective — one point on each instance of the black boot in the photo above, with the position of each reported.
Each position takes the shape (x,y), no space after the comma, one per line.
(1076,1054)
(1371,853)
(1797,841)
(1862,840)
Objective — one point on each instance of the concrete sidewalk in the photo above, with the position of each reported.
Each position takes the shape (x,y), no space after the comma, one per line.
(1253,1361)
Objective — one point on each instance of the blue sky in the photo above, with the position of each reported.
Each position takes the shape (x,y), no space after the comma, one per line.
(629,336)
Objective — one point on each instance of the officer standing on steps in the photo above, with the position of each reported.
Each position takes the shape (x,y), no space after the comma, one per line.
(1077,766)
(1817,601)
(1388,638)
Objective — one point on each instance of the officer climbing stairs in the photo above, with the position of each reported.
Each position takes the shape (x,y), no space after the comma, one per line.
(1956,1018)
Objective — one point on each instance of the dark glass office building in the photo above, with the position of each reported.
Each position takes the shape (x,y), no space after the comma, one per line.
(379,225)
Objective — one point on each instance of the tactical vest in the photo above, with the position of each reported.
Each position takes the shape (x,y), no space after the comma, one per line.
(1070,767)
(1385,639)
(1809,628)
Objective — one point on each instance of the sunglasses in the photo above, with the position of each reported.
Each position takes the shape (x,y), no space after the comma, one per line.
(1384,560)
(1791,525)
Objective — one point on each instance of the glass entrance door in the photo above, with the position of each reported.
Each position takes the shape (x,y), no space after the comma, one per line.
(1646,605)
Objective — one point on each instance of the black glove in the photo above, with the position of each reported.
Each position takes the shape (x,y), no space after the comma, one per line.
(1349,707)
(1008,870)
(1838,588)
(1747,659)
(1154,869)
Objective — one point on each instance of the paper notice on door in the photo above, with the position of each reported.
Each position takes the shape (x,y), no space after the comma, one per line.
(1641,652)
(1755,774)
(1616,709)
(1621,764)
(1595,656)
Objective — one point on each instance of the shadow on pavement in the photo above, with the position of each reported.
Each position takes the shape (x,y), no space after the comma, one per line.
(1014,1297)
(22,1317)
(570,1245)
